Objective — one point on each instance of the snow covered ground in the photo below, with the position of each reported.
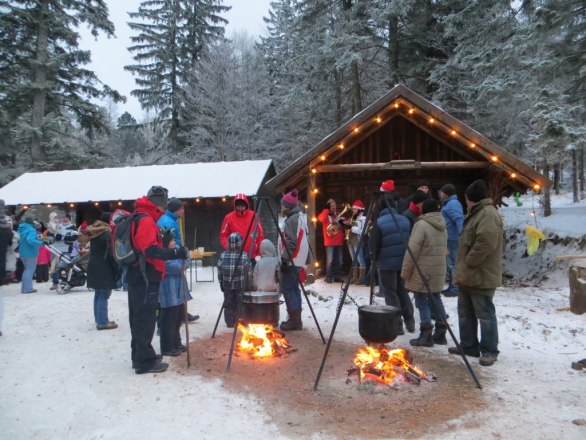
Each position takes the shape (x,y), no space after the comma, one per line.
(62,379)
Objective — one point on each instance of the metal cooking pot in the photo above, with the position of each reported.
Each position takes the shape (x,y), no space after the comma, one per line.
(379,324)
(261,308)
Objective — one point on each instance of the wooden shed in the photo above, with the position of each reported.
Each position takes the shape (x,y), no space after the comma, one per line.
(207,190)
(406,138)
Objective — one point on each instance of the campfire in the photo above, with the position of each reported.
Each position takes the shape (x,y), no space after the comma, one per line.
(387,366)
(262,340)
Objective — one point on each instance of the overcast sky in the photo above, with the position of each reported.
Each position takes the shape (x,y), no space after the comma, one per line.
(109,56)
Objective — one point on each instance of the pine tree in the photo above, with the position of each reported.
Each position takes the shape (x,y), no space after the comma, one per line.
(42,80)
(171,37)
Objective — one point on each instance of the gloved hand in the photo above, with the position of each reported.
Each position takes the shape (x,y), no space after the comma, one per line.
(48,240)
(182,252)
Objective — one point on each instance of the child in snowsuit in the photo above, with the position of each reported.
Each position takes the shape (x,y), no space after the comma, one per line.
(265,276)
(43,262)
(233,275)
(172,293)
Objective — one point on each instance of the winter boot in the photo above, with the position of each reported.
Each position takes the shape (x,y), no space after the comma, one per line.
(354,278)
(294,321)
(439,335)
(361,275)
(424,339)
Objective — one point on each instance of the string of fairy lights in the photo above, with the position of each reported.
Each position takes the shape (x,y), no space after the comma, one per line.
(412,111)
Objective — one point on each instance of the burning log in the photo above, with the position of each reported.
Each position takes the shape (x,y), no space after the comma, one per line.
(262,340)
(387,367)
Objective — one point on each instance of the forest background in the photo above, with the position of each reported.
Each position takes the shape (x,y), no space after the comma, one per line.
(514,71)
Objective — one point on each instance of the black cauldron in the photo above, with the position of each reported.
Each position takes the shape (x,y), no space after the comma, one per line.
(379,324)
(261,308)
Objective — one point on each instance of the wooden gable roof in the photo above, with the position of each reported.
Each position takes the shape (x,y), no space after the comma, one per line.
(469,149)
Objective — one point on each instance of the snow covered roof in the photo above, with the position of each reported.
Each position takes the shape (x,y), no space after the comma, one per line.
(211,179)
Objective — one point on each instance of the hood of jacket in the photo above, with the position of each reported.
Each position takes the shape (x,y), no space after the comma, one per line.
(145,205)
(234,241)
(267,248)
(237,197)
(435,219)
(24,228)
(96,228)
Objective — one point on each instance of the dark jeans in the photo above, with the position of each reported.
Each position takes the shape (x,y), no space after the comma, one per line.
(171,320)
(429,309)
(142,315)
(290,288)
(334,261)
(476,306)
(391,284)
(230,305)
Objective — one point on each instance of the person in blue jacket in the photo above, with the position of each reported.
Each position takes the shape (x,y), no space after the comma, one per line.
(169,221)
(388,243)
(28,249)
(172,296)
(454,216)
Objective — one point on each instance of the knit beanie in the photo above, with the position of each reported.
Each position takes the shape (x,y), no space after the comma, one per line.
(158,195)
(387,186)
(421,183)
(290,200)
(358,205)
(476,191)
(430,205)
(174,204)
(330,202)
(105,216)
(29,220)
(419,196)
(448,189)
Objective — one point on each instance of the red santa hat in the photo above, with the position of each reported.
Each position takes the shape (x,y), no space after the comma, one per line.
(358,205)
(387,186)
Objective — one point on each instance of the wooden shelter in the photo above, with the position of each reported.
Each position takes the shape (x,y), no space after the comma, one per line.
(206,189)
(403,137)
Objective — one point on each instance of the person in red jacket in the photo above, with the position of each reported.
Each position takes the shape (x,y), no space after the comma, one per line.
(334,243)
(239,221)
(145,278)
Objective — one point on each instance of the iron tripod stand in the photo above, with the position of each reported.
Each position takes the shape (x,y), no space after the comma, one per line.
(431,297)
(428,293)
(342,299)
(255,220)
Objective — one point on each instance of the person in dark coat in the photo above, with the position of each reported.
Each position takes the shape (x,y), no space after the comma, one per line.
(5,241)
(102,271)
(388,243)
(415,205)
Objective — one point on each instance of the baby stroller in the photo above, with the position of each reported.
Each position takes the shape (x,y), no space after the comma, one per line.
(71,270)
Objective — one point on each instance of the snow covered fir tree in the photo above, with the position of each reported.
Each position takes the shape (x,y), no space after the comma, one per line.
(512,70)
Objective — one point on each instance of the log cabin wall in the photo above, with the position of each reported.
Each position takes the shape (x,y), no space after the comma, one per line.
(397,139)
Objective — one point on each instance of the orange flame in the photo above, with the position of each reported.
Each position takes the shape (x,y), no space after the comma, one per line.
(261,340)
(384,366)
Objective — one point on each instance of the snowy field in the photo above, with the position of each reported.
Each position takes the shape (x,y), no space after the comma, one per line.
(62,379)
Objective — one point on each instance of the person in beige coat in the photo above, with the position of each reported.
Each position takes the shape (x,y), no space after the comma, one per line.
(428,245)
(478,274)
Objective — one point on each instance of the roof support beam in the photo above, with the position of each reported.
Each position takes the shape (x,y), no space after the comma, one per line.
(399,165)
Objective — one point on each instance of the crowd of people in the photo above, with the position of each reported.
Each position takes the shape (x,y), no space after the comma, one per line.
(405,245)
(417,245)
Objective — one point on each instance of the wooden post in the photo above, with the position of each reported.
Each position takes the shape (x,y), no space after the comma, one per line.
(310,224)
(577,278)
